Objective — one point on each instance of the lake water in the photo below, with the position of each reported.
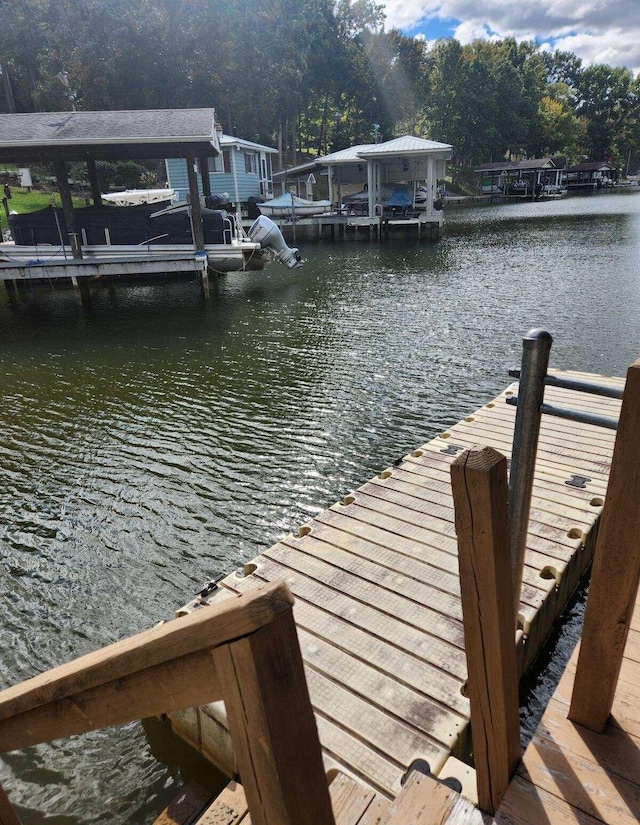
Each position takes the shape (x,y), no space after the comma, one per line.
(157,441)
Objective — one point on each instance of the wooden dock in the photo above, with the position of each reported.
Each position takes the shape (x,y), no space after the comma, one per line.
(378,608)
(97,267)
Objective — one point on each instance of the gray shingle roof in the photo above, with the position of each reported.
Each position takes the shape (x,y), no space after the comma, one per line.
(103,127)
(44,132)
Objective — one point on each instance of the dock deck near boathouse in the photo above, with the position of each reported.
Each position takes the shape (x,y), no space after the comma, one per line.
(378,608)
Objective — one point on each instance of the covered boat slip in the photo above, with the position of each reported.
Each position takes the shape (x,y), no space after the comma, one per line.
(377,170)
(378,607)
(60,137)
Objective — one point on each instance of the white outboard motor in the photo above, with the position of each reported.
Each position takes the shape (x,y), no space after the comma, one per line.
(266,233)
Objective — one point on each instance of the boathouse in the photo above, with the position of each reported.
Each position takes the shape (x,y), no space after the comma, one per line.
(57,138)
(242,169)
(379,184)
(591,175)
(521,178)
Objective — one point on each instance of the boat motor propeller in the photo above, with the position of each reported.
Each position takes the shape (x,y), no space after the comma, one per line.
(264,231)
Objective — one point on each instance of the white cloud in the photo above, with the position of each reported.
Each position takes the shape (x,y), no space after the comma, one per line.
(602,31)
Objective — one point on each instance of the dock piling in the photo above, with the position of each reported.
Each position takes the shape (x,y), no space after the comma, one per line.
(479,486)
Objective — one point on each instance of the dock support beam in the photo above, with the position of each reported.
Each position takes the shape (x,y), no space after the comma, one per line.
(96,194)
(616,573)
(479,485)
(194,197)
(67,205)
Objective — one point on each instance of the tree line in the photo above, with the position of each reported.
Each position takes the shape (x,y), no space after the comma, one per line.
(315,76)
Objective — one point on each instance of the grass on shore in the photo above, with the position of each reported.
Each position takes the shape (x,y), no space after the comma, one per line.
(23,202)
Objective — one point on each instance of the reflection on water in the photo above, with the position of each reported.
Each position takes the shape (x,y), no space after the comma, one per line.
(157,441)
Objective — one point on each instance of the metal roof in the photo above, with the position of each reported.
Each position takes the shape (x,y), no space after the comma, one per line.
(518,165)
(406,145)
(139,133)
(397,147)
(230,140)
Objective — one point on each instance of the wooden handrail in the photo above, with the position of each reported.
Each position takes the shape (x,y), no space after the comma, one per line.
(244,650)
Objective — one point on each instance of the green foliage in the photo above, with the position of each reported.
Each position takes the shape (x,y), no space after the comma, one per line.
(312,76)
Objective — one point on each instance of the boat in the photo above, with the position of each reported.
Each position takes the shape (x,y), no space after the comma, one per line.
(135,197)
(142,231)
(291,206)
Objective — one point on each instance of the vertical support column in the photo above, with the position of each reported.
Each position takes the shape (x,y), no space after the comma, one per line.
(479,484)
(67,205)
(330,182)
(616,572)
(273,728)
(194,199)
(536,346)
(96,194)
(10,286)
(370,188)
(203,168)
(431,189)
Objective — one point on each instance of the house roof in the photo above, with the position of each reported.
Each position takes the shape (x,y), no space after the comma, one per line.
(591,166)
(148,133)
(519,165)
(231,140)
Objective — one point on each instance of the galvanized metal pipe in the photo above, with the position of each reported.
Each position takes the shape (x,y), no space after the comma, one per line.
(579,385)
(536,346)
(608,422)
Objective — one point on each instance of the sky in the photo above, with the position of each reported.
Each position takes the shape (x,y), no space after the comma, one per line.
(598,31)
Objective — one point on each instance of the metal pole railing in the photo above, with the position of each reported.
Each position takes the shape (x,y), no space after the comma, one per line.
(536,346)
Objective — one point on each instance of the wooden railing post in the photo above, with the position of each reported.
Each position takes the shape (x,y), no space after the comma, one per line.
(479,482)
(273,728)
(616,572)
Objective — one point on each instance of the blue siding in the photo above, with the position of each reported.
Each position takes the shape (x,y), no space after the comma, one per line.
(248,183)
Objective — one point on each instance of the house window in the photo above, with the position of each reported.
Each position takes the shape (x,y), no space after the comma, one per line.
(221,163)
(250,165)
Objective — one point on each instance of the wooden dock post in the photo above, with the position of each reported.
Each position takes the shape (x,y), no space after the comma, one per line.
(67,205)
(479,484)
(194,201)
(8,816)
(273,727)
(616,572)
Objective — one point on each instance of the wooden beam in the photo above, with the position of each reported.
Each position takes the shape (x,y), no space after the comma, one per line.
(67,205)
(203,168)
(184,682)
(479,485)
(96,194)
(194,200)
(7,814)
(273,728)
(616,572)
(201,630)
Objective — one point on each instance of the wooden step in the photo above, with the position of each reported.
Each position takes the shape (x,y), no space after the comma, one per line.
(425,801)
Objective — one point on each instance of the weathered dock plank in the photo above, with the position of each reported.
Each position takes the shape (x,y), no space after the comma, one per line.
(378,607)
(571,774)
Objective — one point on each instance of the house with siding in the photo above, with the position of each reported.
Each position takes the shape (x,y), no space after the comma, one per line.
(243,170)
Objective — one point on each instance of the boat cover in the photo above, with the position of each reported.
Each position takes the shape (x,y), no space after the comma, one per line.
(130,225)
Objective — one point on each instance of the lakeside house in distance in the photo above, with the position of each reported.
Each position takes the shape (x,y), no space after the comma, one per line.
(243,170)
